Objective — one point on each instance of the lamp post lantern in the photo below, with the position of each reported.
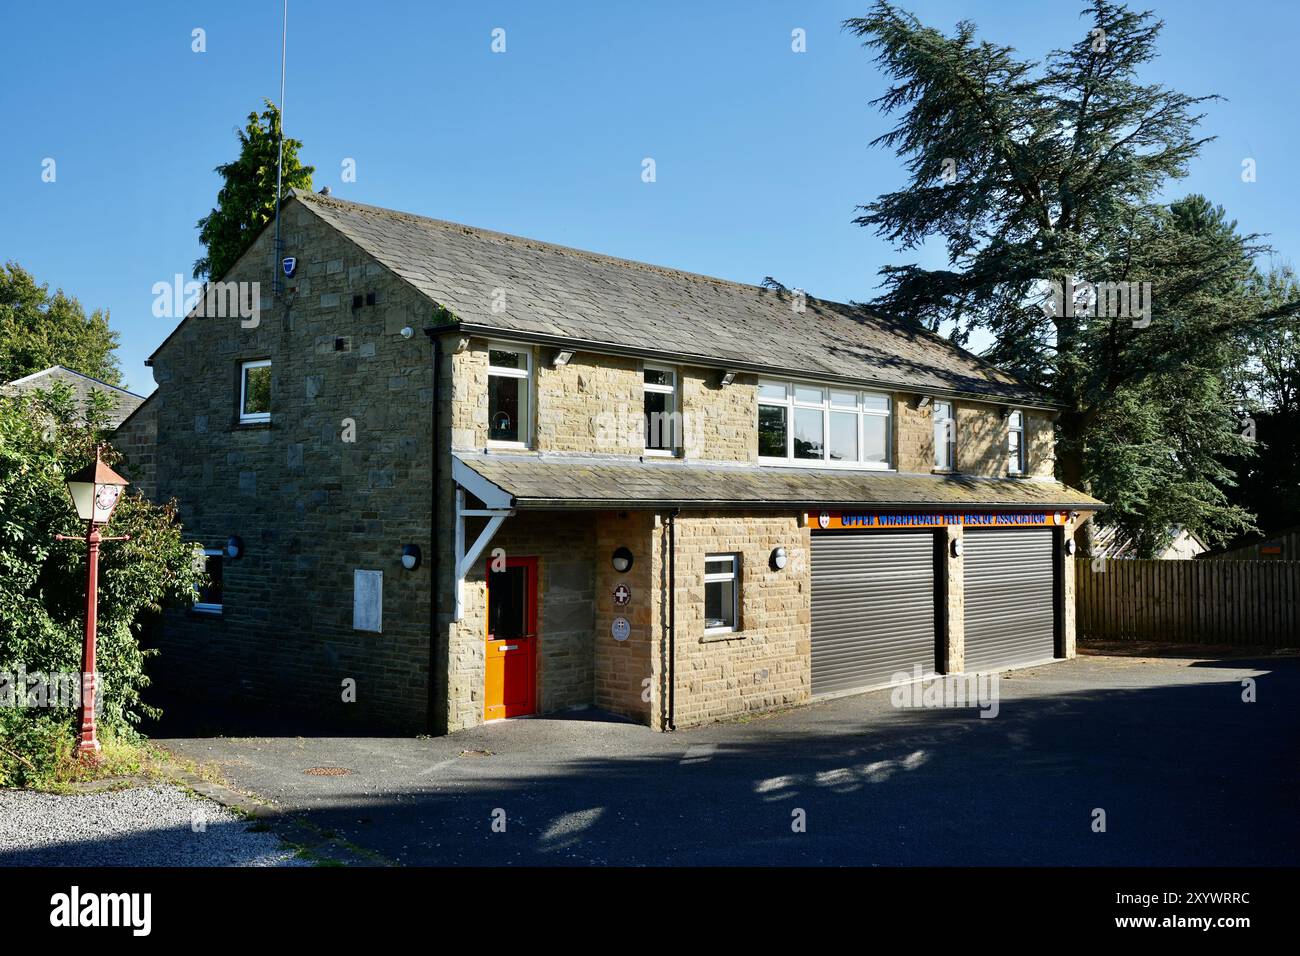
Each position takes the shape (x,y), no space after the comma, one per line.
(95,491)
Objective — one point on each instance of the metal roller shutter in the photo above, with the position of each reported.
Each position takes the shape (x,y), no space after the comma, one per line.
(1010,597)
(872,608)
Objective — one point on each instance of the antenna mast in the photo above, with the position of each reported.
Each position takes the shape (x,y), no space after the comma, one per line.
(279,163)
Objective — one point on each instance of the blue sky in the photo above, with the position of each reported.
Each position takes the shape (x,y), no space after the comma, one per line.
(761,154)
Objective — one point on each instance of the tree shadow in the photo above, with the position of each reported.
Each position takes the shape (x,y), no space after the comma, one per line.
(1186,774)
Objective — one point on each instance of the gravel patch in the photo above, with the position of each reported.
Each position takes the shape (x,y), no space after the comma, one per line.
(143,826)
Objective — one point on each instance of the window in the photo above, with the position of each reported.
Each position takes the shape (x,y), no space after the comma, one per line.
(509,388)
(815,425)
(255,392)
(207,599)
(721,592)
(1016,443)
(945,437)
(661,435)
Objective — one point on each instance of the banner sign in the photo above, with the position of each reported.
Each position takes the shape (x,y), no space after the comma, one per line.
(861,520)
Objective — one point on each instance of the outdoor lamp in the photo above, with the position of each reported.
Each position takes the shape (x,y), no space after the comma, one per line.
(1069,546)
(234,546)
(957,549)
(95,491)
(622,560)
(410,556)
(779,559)
(728,377)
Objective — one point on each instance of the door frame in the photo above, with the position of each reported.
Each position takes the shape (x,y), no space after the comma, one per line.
(530,565)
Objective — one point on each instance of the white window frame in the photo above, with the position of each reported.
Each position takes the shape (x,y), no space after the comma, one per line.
(661,390)
(526,373)
(1016,426)
(860,409)
(204,608)
(949,446)
(250,418)
(720,577)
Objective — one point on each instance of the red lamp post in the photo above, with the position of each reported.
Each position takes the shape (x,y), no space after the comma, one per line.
(95,491)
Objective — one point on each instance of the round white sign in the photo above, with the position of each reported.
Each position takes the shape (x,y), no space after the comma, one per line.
(621,629)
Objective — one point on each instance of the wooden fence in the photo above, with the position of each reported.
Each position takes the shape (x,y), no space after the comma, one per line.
(1193,602)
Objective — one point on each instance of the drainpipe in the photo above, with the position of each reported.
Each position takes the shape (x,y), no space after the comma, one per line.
(435,553)
(672,617)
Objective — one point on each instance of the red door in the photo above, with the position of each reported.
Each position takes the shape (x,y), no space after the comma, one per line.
(511,673)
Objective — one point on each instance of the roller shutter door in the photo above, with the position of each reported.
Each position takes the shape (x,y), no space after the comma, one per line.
(1010,595)
(872,608)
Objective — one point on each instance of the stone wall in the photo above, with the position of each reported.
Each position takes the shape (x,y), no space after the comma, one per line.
(981,439)
(137,440)
(338,481)
(595,403)
(913,435)
(767,663)
(625,672)
(721,423)
(1040,445)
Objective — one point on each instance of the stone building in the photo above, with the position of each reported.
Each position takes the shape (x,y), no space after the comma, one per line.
(448,475)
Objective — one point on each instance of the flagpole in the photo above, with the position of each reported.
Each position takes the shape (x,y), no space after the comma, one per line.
(279,163)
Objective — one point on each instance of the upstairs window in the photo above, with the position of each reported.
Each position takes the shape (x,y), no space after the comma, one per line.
(1016,443)
(255,392)
(660,386)
(207,599)
(945,437)
(816,425)
(509,388)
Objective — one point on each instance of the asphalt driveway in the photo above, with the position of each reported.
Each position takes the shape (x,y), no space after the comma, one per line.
(1184,770)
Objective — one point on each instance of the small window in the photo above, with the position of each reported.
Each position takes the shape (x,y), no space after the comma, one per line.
(661,431)
(509,389)
(945,437)
(255,392)
(1016,443)
(207,599)
(721,593)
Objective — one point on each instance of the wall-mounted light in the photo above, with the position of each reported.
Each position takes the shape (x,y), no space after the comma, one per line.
(1074,516)
(234,546)
(1070,546)
(779,559)
(957,549)
(923,401)
(410,556)
(562,358)
(622,560)
(407,332)
(727,378)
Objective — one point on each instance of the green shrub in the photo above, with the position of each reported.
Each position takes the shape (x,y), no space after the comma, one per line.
(43,438)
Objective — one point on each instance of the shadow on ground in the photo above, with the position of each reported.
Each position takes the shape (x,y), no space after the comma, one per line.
(1186,772)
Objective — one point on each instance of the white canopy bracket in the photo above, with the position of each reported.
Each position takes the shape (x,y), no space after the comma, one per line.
(497,509)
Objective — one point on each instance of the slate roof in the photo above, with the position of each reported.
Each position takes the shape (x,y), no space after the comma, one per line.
(124,402)
(570,481)
(566,296)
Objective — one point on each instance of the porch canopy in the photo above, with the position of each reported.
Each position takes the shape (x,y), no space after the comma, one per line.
(534,482)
